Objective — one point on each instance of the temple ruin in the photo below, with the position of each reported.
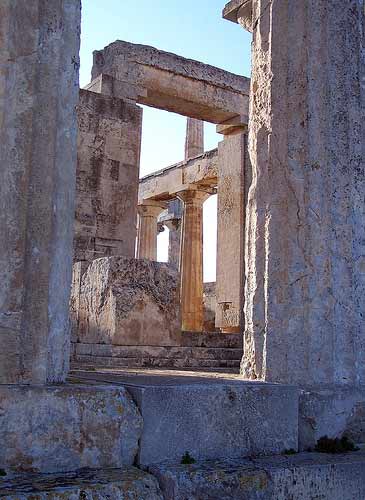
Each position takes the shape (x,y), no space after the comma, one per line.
(124,377)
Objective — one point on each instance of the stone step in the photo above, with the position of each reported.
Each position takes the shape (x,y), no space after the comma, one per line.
(303,476)
(212,339)
(167,363)
(168,357)
(210,417)
(128,482)
(167,352)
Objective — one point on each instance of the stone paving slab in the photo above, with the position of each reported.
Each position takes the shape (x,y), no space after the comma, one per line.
(117,484)
(306,476)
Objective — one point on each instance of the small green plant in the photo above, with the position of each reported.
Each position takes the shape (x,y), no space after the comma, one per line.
(187,459)
(290,451)
(336,445)
(2,473)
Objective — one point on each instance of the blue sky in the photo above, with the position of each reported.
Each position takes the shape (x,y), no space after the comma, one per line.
(191,28)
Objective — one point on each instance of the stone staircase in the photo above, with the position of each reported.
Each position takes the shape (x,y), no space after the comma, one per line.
(217,352)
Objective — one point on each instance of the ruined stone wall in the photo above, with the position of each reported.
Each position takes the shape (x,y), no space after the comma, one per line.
(109,145)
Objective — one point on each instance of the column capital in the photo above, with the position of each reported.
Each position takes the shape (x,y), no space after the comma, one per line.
(151,208)
(195,195)
(240,12)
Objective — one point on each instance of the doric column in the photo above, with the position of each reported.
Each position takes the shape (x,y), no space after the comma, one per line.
(148,213)
(194,142)
(191,259)
(305,294)
(39,61)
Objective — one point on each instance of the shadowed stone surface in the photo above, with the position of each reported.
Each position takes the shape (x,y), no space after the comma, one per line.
(111,484)
(39,64)
(306,476)
(65,428)
(129,302)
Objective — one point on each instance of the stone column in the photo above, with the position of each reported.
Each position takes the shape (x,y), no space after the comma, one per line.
(174,226)
(234,177)
(194,142)
(305,296)
(148,213)
(39,62)
(191,259)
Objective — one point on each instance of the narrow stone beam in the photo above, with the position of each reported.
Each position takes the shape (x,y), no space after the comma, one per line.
(39,62)
(191,266)
(147,230)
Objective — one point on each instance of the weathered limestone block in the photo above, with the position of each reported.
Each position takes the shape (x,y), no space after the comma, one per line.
(129,302)
(301,477)
(171,82)
(109,143)
(214,418)
(113,484)
(234,174)
(305,293)
(64,428)
(39,64)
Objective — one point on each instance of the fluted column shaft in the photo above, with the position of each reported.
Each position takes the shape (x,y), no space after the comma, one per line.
(191,260)
(147,231)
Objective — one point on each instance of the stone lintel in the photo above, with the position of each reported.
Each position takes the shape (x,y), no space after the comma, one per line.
(174,83)
(163,185)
